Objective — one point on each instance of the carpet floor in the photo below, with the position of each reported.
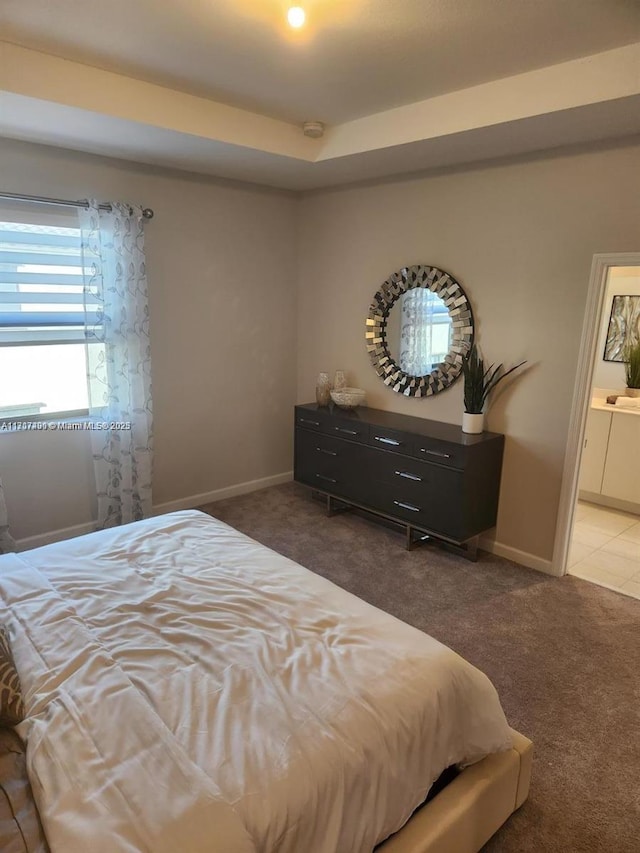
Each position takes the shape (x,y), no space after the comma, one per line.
(563,653)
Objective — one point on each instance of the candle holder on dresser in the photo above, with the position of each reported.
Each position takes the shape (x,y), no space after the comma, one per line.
(323,389)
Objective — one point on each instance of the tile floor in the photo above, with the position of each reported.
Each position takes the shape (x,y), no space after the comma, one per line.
(605,548)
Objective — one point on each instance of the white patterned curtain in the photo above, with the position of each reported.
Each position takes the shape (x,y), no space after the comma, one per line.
(6,539)
(424,331)
(118,361)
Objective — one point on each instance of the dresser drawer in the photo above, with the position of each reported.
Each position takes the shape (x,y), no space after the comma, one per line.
(326,421)
(426,511)
(309,421)
(413,476)
(425,495)
(327,463)
(352,430)
(440,452)
(389,439)
(326,475)
(317,446)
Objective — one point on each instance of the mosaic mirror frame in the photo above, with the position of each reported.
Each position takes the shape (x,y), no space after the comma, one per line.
(449,290)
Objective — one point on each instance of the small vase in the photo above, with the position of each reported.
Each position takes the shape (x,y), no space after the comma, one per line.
(339,381)
(632,392)
(323,387)
(472,423)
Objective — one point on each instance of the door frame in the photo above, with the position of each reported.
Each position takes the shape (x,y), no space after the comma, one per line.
(600,267)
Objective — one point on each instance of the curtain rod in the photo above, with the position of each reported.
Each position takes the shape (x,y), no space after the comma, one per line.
(147,213)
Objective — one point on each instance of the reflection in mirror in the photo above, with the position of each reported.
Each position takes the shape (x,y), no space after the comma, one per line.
(419,331)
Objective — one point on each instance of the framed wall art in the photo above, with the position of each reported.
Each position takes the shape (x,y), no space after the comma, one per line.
(624,327)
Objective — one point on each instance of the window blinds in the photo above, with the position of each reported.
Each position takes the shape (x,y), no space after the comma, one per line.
(43,299)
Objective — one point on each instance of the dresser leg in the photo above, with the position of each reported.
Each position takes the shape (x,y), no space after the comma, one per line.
(332,509)
(471,549)
(414,541)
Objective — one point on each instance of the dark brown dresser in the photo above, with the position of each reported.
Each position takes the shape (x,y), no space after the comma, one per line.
(430,477)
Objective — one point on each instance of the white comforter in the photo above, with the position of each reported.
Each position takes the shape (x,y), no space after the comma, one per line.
(190,690)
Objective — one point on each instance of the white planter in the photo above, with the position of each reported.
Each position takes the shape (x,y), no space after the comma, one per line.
(472,424)
(632,392)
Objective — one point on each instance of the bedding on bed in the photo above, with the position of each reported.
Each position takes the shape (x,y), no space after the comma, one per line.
(189,689)
(20,828)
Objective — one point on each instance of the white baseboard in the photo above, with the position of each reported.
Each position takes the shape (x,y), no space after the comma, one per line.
(523,558)
(612,503)
(52,536)
(220,494)
(160,509)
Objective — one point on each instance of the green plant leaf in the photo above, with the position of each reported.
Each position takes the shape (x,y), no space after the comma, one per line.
(632,366)
(480,382)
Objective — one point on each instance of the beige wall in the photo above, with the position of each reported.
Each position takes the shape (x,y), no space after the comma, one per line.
(520,238)
(222,268)
(221,261)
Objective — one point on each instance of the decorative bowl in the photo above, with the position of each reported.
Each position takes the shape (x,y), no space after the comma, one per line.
(348,398)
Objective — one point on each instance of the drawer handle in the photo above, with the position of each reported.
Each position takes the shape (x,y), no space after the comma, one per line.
(328,452)
(408,476)
(307,421)
(347,431)
(436,453)
(391,441)
(328,479)
(407,506)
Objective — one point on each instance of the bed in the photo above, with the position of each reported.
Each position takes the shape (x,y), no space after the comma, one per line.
(189,689)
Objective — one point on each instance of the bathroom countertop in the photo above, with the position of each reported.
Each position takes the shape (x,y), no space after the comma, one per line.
(602,406)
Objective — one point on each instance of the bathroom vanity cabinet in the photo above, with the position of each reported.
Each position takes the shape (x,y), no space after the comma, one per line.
(610,467)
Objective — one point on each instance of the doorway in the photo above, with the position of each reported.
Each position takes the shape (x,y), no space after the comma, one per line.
(598,535)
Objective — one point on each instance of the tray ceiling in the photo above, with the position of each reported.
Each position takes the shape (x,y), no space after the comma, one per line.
(354,57)
(223,86)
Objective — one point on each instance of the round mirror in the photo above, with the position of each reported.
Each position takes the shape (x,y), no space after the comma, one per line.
(419,328)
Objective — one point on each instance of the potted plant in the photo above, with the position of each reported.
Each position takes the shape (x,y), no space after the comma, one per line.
(479,382)
(632,370)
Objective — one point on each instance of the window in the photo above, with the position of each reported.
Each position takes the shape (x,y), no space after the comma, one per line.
(43,308)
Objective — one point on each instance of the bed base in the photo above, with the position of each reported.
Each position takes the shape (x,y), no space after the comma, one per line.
(465,814)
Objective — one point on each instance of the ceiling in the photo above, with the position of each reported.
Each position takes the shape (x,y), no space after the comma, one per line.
(354,57)
(222,86)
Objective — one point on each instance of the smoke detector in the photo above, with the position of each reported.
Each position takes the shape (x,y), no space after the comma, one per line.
(314,129)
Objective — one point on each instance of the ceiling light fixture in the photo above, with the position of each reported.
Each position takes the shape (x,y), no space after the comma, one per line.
(296,16)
